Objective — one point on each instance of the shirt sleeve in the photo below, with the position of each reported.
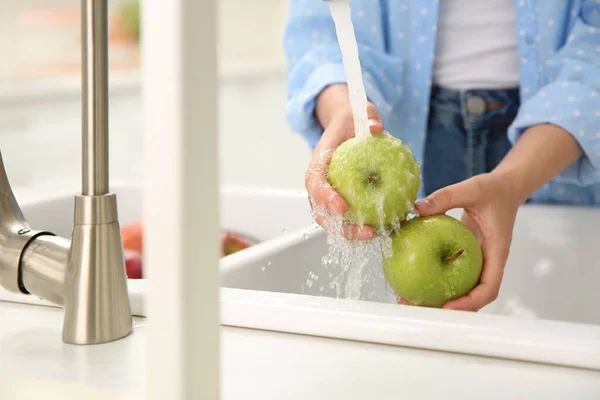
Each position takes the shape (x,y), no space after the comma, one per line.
(572,98)
(315,62)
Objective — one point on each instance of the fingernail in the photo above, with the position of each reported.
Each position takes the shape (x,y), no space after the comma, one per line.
(367,234)
(373,121)
(424,204)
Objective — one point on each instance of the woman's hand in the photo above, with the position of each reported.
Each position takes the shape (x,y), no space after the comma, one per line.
(335,114)
(491,201)
(490,209)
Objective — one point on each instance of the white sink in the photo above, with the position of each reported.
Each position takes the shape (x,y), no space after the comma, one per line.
(257,212)
(547,311)
(260,214)
(553,270)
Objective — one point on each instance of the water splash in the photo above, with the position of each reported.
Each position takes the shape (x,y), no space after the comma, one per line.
(386,245)
(342,17)
(346,259)
(312,278)
(263,268)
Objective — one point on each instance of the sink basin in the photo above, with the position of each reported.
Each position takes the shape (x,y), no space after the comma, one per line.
(261,214)
(547,310)
(552,272)
(240,209)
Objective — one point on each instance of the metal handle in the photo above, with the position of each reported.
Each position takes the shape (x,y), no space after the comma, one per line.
(94,97)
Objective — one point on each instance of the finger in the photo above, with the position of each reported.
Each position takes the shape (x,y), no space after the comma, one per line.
(348,231)
(343,129)
(459,195)
(470,223)
(355,232)
(376,126)
(375,121)
(321,193)
(321,220)
(495,254)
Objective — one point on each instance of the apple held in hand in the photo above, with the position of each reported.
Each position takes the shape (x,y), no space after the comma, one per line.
(379,178)
(435,259)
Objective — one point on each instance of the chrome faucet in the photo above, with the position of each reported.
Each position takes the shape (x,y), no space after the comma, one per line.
(86,274)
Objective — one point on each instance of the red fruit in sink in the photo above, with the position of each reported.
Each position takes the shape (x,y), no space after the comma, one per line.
(232,243)
(133,264)
(132,236)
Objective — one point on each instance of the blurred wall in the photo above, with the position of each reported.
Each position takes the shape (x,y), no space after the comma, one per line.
(40,106)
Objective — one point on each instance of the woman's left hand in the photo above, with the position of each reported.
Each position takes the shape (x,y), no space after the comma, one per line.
(490,209)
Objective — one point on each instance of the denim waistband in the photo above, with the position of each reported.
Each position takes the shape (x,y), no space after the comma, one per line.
(475,108)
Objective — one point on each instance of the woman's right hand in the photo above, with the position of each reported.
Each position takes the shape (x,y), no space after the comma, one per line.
(335,114)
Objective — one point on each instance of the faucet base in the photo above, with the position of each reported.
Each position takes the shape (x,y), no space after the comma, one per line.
(96,299)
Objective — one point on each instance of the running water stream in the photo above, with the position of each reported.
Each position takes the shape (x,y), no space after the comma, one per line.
(342,17)
(347,259)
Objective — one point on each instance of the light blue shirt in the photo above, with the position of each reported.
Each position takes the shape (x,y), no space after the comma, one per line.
(559,51)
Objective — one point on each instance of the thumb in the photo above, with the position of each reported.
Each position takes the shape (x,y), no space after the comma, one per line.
(459,195)
(375,121)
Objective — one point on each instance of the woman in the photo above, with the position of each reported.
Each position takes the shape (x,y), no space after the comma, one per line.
(499,100)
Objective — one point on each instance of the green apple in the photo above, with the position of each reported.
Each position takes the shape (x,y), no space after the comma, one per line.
(379,178)
(434,259)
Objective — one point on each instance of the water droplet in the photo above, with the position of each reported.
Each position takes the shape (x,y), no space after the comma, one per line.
(389,290)
(305,236)
(283,230)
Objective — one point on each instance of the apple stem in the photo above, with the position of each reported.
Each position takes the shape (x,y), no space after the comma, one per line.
(454,256)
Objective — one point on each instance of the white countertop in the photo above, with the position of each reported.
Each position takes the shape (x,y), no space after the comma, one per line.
(265,365)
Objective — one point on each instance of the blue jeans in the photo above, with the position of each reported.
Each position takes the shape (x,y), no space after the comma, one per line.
(466,135)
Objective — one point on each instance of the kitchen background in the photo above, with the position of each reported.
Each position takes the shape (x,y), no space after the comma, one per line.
(40,107)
